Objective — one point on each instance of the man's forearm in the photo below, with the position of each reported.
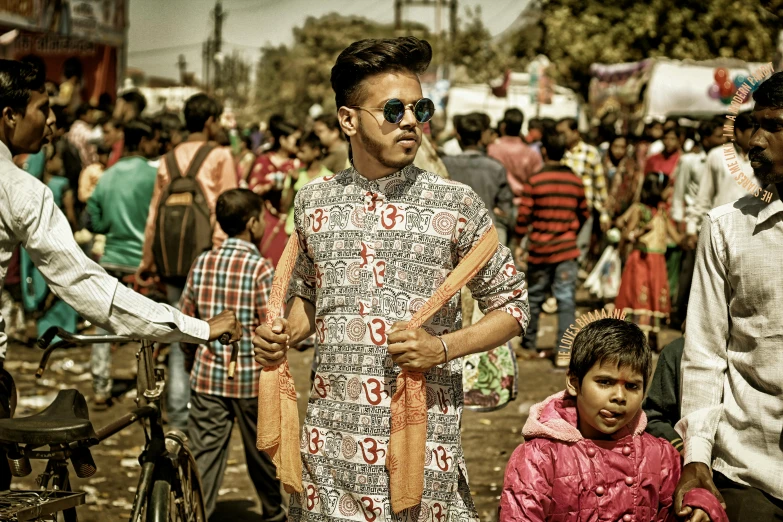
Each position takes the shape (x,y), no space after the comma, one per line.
(493,330)
(301,319)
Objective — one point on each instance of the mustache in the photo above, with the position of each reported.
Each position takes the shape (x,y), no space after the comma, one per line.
(408,136)
(759,156)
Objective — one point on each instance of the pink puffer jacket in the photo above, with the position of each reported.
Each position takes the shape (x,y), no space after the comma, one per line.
(559,476)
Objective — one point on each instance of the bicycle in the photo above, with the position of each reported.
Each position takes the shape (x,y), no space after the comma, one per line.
(169,487)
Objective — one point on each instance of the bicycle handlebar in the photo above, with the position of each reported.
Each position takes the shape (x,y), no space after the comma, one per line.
(79,340)
(69,340)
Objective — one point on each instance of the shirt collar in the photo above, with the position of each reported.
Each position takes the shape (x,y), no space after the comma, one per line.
(387,185)
(5,152)
(240,244)
(771,208)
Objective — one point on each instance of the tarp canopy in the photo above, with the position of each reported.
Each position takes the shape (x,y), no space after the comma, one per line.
(677,88)
(660,87)
(465,99)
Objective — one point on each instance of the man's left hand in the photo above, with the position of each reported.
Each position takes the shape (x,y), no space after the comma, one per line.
(414,350)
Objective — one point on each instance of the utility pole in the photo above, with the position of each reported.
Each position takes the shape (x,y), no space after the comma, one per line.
(207,62)
(438,5)
(182,65)
(218,15)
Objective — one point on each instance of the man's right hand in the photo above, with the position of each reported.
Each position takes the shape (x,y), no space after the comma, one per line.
(225,322)
(270,344)
(694,475)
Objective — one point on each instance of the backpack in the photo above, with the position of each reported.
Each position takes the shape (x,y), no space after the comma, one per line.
(183,229)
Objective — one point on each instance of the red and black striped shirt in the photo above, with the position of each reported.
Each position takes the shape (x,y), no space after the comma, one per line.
(552,211)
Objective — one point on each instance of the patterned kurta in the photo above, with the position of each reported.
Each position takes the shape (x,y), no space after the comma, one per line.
(371,254)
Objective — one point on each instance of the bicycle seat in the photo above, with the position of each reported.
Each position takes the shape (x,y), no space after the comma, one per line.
(65,420)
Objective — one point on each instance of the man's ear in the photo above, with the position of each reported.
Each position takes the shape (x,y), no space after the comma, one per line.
(348,119)
(572,385)
(10,117)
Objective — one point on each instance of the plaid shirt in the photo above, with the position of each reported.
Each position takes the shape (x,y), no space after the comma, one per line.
(233,277)
(585,161)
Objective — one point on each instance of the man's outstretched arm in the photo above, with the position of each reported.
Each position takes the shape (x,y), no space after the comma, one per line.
(44,233)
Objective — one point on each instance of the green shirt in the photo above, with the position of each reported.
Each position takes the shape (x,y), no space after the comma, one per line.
(118,208)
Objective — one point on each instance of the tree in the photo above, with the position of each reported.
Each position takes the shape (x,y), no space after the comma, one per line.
(476,57)
(291,80)
(575,34)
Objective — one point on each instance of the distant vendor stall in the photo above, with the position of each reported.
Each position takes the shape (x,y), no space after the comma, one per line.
(54,30)
(657,88)
(521,91)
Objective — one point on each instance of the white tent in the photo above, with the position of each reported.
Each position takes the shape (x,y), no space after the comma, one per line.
(464,99)
(681,88)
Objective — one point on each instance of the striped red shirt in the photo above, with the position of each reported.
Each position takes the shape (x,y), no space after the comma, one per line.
(552,211)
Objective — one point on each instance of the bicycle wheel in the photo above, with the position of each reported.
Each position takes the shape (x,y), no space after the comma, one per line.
(178,498)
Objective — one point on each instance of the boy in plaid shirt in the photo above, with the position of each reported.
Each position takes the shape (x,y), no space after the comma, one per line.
(232,277)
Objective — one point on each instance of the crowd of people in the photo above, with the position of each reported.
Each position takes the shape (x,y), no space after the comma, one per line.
(195,216)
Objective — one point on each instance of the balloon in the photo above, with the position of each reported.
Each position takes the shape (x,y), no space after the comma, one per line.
(726,100)
(726,88)
(721,74)
(739,80)
(713,91)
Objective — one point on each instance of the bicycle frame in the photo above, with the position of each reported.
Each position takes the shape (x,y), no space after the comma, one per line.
(150,385)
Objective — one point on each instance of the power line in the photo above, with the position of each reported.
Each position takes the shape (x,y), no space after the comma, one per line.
(169,48)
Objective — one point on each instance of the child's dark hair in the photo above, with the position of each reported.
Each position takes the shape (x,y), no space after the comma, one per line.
(312,140)
(235,207)
(366,58)
(610,341)
(652,189)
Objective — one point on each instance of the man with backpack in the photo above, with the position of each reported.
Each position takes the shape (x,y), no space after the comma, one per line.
(181,222)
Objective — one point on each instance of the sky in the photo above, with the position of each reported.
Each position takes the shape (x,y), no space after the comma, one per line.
(161,30)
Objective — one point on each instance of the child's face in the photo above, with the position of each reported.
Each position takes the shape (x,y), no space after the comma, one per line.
(607,400)
(307,154)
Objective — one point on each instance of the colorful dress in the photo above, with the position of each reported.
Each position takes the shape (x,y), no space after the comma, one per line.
(644,288)
(625,182)
(371,254)
(266,172)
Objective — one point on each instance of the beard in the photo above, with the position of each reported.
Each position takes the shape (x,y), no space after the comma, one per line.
(377,150)
(764,173)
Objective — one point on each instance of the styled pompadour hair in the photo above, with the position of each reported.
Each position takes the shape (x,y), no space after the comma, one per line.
(366,58)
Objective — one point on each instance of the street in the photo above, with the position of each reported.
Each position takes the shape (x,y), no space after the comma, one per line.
(488,438)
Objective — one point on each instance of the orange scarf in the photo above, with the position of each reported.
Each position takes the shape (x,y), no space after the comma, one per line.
(278,420)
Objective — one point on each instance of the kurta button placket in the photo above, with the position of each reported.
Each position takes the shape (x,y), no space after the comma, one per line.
(591,452)
(600,491)
(629,481)
(626,451)
(627,518)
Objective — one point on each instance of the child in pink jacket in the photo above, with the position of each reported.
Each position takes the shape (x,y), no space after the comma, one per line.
(586,456)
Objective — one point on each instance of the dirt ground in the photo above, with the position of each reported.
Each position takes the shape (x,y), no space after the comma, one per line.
(488,438)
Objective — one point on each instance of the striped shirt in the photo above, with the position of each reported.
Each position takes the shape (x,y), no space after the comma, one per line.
(232,277)
(553,210)
(29,217)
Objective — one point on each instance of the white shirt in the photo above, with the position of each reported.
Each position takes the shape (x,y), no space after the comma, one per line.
(28,216)
(687,177)
(732,365)
(718,186)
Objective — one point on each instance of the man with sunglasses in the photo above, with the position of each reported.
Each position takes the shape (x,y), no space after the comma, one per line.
(376,240)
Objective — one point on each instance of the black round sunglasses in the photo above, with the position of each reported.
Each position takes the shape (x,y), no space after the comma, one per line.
(394,110)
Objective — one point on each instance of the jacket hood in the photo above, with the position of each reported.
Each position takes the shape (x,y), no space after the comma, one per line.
(556,418)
